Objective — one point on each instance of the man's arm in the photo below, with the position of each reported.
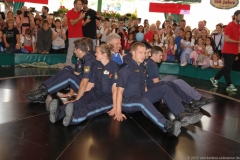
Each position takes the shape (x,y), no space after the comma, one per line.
(119,116)
(75,21)
(156,80)
(114,98)
(82,88)
(228,39)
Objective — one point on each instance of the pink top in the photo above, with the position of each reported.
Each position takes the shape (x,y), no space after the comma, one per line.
(26,21)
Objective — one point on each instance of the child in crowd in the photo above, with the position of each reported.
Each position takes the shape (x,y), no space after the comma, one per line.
(2,46)
(44,39)
(11,37)
(140,29)
(58,38)
(156,40)
(36,28)
(164,53)
(28,42)
(171,49)
(169,33)
(128,43)
(187,46)
(177,41)
(199,53)
(215,62)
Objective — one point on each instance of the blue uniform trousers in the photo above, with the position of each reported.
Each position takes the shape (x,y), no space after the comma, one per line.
(93,103)
(178,91)
(154,94)
(140,103)
(62,80)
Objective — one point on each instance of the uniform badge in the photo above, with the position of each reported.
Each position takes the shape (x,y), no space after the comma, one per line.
(110,76)
(86,69)
(99,68)
(136,70)
(106,72)
(115,76)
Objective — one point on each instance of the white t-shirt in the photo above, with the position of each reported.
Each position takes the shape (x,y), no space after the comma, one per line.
(209,50)
(184,42)
(156,44)
(216,63)
(175,46)
(23,37)
(104,34)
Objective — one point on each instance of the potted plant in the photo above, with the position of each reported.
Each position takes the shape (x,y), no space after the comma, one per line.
(62,10)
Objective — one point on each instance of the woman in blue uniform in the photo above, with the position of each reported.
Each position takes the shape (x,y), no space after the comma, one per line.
(96,101)
(68,76)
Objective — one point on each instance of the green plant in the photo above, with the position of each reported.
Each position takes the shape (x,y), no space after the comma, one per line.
(117,15)
(62,9)
(133,16)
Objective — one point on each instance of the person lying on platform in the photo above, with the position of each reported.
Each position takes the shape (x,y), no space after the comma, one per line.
(132,96)
(77,79)
(96,101)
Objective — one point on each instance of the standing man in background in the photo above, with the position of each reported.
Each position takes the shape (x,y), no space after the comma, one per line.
(74,18)
(229,52)
(89,22)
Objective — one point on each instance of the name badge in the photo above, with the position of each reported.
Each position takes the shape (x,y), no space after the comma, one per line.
(106,72)
(99,68)
(136,70)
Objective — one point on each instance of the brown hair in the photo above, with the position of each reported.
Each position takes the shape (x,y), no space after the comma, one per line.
(156,50)
(136,45)
(158,41)
(106,48)
(75,1)
(8,21)
(28,32)
(81,44)
(45,22)
(89,42)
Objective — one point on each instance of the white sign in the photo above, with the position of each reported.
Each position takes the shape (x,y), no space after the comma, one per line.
(224,4)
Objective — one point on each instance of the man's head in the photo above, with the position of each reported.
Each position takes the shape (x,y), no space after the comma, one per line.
(157,54)
(115,40)
(183,23)
(80,48)
(45,9)
(219,28)
(167,22)
(158,23)
(64,22)
(138,52)
(200,25)
(153,28)
(78,5)
(174,26)
(148,50)
(85,4)
(135,22)
(237,16)
(121,23)
(205,23)
(89,43)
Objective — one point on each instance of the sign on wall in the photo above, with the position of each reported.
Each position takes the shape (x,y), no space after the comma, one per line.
(224,4)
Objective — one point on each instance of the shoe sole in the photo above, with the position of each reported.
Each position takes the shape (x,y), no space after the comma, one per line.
(69,113)
(33,100)
(191,120)
(231,90)
(53,106)
(215,85)
(177,128)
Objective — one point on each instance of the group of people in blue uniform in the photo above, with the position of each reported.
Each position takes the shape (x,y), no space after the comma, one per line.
(106,86)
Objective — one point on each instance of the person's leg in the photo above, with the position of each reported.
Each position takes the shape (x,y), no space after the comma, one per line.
(57,112)
(169,78)
(134,104)
(100,105)
(228,62)
(70,51)
(188,89)
(94,43)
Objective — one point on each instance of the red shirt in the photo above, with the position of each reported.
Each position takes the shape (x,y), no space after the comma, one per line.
(233,31)
(149,35)
(74,31)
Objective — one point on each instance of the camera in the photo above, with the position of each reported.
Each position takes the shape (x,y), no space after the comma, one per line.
(19,12)
(32,9)
(26,13)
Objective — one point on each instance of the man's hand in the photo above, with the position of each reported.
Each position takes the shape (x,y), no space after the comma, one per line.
(112,112)
(82,15)
(120,117)
(236,58)
(88,20)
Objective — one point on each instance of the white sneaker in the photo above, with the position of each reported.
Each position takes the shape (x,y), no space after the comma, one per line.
(183,64)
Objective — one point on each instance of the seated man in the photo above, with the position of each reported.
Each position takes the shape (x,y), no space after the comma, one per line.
(77,79)
(131,96)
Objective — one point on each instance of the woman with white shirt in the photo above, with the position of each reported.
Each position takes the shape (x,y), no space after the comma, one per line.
(58,38)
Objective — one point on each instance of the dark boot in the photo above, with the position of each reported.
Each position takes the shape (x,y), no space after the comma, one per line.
(201,102)
(173,127)
(69,110)
(35,91)
(39,96)
(54,109)
(190,109)
(189,118)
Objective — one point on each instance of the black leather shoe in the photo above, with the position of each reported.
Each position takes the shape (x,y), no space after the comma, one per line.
(42,86)
(54,109)
(190,109)
(173,127)
(68,114)
(39,96)
(201,102)
(189,118)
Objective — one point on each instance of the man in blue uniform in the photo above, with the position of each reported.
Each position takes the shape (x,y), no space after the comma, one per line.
(131,96)
(68,76)
(153,78)
(96,101)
